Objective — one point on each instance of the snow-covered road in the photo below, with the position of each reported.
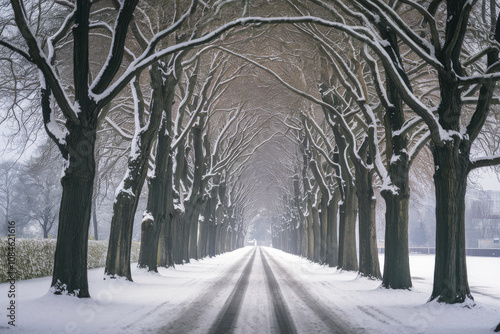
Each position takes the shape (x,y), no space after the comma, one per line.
(258,295)
(264,298)
(256,290)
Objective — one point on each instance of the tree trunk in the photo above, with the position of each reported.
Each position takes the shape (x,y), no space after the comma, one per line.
(332,247)
(368,251)
(165,244)
(450,179)
(396,252)
(178,237)
(166,232)
(222,238)
(70,260)
(210,212)
(193,229)
(194,202)
(239,240)
(120,235)
(235,238)
(230,234)
(348,259)
(157,211)
(452,163)
(348,210)
(94,218)
(293,236)
(218,232)
(310,235)
(212,239)
(298,232)
(202,239)
(323,218)
(304,238)
(45,229)
(186,232)
(212,232)
(316,233)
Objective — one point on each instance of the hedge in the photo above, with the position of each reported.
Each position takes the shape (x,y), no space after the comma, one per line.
(35,257)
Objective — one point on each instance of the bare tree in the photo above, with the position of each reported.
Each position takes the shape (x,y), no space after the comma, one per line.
(40,190)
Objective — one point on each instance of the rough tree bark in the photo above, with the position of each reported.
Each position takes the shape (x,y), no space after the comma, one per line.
(348,209)
(316,232)
(194,202)
(302,228)
(368,252)
(450,274)
(396,253)
(70,261)
(332,247)
(324,218)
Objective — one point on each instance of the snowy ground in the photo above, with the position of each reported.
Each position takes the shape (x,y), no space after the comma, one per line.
(318,299)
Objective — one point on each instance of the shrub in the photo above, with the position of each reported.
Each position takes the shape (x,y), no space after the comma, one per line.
(35,257)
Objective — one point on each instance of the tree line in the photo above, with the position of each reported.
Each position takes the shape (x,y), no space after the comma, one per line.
(377,114)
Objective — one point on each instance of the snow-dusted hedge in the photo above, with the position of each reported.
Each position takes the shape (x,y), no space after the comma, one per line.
(35,257)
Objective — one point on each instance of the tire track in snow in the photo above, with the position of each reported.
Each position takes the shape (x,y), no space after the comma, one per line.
(379,315)
(194,310)
(371,311)
(281,313)
(226,319)
(331,320)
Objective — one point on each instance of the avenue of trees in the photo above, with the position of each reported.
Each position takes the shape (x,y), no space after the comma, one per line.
(210,110)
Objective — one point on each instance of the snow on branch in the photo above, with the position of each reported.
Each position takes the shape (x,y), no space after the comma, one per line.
(38,57)
(148,57)
(125,135)
(485,162)
(58,35)
(115,56)
(326,142)
(429,19)
(290,87)
(419,45)
(480,79)
(53,129)
(205,97)
(223,132)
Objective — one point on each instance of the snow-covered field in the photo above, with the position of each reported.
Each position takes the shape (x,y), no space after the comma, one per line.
(194,294)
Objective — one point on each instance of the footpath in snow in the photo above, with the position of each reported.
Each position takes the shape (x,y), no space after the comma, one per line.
(256,290)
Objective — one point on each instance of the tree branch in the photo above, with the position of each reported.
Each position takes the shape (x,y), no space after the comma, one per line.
(17,50)
(108,72)
(485,162)
(38,58)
